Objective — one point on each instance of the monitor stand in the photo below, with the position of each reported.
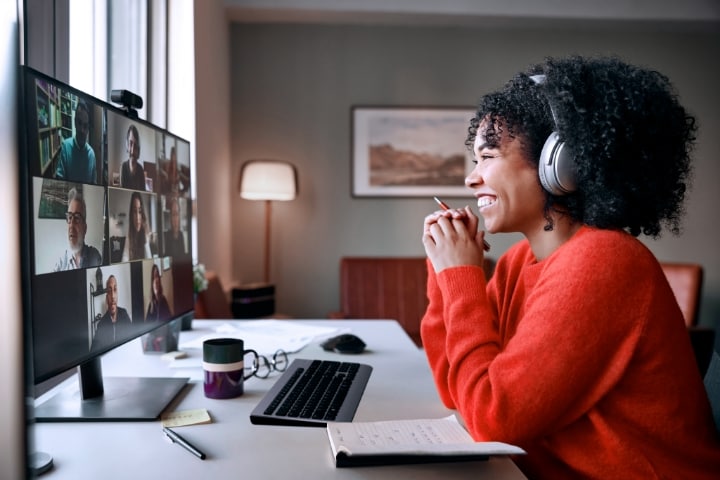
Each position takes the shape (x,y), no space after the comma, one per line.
(111,399)
(40,462)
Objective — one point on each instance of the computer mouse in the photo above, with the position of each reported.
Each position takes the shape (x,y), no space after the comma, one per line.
(344,343)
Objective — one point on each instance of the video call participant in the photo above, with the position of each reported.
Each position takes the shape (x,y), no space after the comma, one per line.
(76,160)
(158,307)
(137,242)
(172,174)
(78,254)
(174,239)
(575,349)
(163,339)
(115,324)
(132,174)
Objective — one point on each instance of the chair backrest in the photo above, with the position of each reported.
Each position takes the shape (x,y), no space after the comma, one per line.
(213,301)
(387,287)
(712,382)
(686,282)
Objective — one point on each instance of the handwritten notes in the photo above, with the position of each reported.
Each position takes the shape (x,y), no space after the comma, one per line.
(185,417)
(409,441)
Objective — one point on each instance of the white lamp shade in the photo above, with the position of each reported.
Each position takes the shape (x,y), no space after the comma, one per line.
(268,180)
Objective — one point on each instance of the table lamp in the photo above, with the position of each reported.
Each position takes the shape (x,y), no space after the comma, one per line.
(268,180)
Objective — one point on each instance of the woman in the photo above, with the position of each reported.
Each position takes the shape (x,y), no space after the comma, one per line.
(137,243)
(172,182)
(575,349)
(174,240)
(132,173)
(158,307)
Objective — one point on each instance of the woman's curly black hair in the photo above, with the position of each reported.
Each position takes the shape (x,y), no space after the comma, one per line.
(630,137)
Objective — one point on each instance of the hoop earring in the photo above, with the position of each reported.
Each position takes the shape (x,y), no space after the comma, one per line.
(550,225)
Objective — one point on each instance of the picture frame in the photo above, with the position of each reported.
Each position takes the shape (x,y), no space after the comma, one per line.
(410,151)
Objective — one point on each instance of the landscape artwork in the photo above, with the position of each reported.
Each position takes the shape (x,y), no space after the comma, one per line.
(410,152)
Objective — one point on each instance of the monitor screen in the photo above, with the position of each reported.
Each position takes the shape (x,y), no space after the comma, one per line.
(108,258)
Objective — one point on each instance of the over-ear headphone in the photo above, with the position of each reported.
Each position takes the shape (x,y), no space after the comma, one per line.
(555,167)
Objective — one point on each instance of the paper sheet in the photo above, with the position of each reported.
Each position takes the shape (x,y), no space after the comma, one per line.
(267,336)
(442,436)
(392,433)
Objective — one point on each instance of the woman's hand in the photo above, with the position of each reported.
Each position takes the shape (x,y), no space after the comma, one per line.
(451,238)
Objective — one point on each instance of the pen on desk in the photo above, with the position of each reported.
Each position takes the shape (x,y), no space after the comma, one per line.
(183,443)
(444,206)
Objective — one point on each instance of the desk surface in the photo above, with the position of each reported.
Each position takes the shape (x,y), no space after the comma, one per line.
(400,387)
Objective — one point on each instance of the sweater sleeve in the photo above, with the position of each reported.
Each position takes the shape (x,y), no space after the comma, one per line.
(432,331)
(576,324)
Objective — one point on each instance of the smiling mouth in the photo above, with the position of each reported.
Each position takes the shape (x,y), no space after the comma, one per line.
(485,202)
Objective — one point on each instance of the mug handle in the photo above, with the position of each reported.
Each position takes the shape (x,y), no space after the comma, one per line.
(255,365)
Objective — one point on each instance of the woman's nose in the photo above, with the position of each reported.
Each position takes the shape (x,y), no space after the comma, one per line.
(474,178)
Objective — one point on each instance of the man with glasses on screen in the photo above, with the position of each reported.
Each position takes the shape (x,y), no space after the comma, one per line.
(78,254)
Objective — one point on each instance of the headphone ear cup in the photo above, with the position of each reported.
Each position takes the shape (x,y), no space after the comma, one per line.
(555,167)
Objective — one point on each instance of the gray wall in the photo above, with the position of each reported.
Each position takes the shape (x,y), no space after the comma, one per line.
(291,90)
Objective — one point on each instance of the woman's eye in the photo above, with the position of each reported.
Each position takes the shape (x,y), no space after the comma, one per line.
(482,157)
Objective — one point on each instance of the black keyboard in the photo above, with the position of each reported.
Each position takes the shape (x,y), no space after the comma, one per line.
(312,393)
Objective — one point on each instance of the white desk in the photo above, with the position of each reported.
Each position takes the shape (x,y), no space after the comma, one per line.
(400,387)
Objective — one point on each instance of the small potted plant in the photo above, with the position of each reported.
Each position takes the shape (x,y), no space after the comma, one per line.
(200,283)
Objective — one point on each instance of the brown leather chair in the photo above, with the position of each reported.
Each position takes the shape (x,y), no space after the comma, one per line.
(213,301)
(686,281)
(386,287)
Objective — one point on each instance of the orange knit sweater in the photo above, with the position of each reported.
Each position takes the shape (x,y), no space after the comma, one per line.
(582,359)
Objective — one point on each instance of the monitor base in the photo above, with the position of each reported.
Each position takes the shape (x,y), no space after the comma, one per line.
(40,462)
(124,399)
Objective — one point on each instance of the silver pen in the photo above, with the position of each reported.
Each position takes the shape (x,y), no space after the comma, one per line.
(183,443)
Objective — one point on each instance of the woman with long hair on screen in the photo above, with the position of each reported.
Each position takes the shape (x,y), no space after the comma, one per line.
(137,242)
(162,339)
(158,307)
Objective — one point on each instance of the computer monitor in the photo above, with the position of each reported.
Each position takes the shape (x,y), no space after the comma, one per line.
(107,251)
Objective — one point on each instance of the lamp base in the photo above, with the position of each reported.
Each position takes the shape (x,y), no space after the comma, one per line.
(253,300)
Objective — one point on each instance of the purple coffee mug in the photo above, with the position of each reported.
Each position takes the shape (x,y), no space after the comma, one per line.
(223,363)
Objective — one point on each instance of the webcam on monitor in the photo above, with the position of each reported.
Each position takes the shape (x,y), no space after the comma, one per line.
(129,101)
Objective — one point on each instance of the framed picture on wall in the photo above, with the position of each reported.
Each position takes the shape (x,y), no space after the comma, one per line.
(410,151)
